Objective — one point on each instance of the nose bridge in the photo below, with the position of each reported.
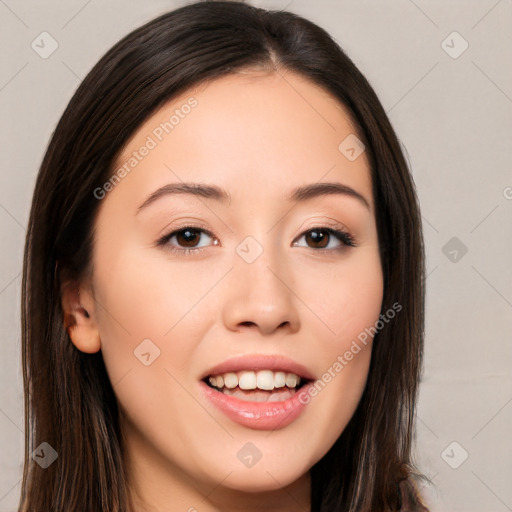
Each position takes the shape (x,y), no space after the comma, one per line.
(258,263)
(259,294)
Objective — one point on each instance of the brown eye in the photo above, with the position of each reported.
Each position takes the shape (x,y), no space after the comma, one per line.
(187,237)
(186,240)
(320,239)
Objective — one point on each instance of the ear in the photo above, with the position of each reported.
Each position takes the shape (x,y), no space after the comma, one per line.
(78,306)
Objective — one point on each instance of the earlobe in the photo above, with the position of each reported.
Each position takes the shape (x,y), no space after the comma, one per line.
(79,317)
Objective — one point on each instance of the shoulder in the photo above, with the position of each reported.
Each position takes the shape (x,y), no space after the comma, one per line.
(410,497)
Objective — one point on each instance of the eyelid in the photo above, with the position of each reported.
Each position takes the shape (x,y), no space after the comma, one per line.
(325,224)
(330,225)
(164,239)
(182,224)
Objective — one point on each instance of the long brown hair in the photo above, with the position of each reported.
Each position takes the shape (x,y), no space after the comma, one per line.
(69,400)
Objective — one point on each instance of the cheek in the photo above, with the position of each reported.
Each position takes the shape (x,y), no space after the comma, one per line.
(346,297)
(149,332)
(143,307)
(148,293)
(348,301)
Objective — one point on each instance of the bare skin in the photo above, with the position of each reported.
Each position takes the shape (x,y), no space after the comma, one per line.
(258,136)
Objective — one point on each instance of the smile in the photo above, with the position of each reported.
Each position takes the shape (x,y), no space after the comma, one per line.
(260,386)
(259,398)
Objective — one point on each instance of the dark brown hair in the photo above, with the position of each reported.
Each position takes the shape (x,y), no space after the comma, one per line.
(69,400)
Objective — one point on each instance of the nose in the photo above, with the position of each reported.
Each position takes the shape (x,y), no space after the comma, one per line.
(260,296)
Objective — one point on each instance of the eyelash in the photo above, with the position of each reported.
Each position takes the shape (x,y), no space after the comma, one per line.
(343,236)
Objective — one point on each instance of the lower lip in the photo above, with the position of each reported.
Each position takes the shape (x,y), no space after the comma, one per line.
(257,415)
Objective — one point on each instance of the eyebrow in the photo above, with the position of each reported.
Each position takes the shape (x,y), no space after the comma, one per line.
(300,194)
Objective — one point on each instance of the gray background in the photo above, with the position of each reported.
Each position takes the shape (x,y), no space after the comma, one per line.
(453,114)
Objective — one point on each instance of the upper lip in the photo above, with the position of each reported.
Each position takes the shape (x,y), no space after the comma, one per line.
(257,362)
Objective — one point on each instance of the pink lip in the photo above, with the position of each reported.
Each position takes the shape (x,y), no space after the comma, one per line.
(260,362)
(257,415)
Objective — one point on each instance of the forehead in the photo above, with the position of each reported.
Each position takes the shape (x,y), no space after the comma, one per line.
(256,131)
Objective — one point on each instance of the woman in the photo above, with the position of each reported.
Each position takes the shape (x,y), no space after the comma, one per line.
(276,366)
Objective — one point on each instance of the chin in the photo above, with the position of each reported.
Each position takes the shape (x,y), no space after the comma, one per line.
(261,480)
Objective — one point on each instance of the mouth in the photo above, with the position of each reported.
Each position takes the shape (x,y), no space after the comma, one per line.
(261,392)
(257,386)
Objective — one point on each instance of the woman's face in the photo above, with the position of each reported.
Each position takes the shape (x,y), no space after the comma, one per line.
(264,290)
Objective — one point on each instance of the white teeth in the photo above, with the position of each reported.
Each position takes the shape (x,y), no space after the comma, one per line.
(279,379)
(266,380)
(247,380)
(292,380)
(230,380)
